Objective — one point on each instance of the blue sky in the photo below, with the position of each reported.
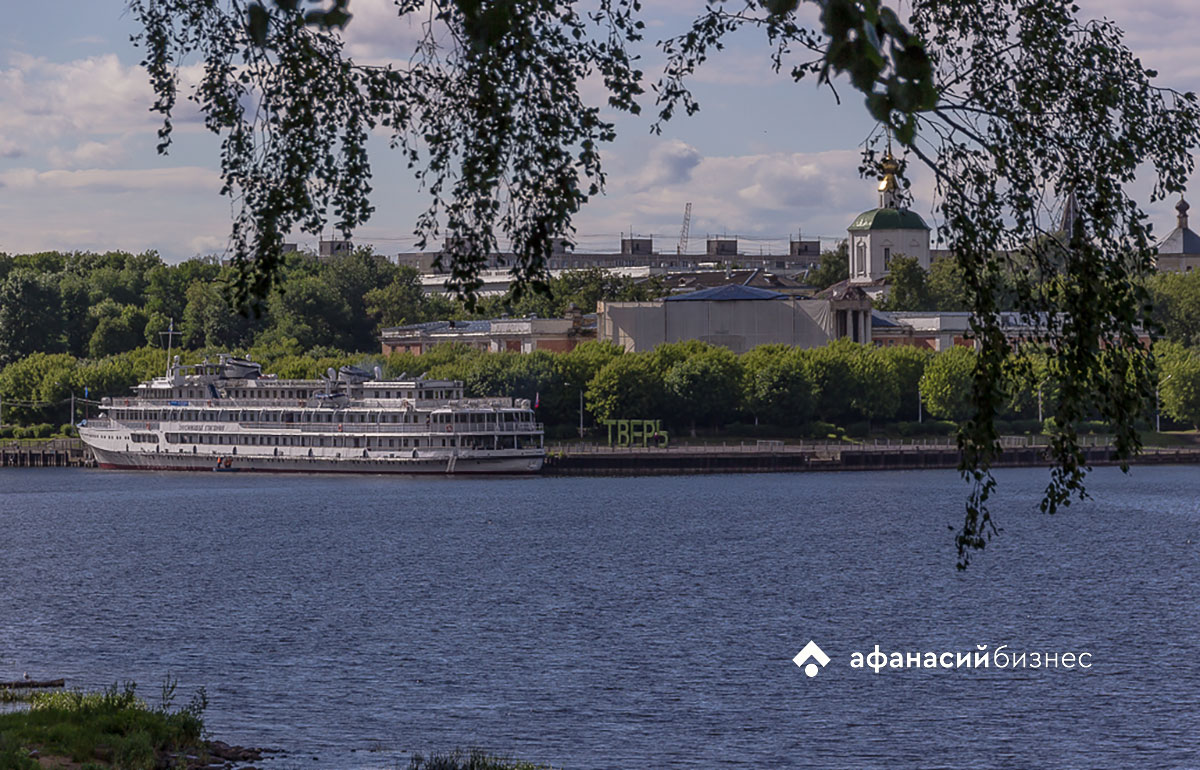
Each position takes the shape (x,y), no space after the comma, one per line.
(763,159)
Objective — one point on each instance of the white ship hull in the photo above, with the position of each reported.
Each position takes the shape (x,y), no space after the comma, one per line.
(518,462)
(226,417)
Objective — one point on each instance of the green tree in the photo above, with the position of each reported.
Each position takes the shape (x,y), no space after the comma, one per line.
(442,353)
(581,364)
(585,288)
(947,290)
(629,386)
(112,376)
(705,387)
(312,311)
(834,267)
(946,384)
(874,393)
(78,323)
(1176,301)
(1179,388)
(117,328)
(32,387)
(30,315)
(905,365)
(907,285)
(209,321)
(831,371)
(776,387)
(350,278)
(400,302)
(537,376)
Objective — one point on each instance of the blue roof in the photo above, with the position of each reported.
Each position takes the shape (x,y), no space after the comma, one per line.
(733,293)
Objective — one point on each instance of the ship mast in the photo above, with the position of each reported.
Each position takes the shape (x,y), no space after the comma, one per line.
(169,333)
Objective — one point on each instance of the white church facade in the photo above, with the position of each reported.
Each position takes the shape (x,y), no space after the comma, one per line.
(878,235)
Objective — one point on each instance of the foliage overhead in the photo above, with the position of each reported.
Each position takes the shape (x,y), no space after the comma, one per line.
(1014,105)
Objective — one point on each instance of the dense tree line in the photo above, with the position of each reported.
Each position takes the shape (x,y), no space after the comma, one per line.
(773,390)
(94,323)
(1174,297)
(96,305)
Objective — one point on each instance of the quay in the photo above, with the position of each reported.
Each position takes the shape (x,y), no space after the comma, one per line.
(45,453)
(730,457)
(775,456)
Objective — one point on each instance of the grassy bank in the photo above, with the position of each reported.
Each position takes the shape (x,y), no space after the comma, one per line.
(111,728)
(116,730)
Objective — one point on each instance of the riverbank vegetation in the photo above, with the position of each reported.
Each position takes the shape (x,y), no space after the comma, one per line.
(110,728)
(91,305)
(772,391)
(94,325)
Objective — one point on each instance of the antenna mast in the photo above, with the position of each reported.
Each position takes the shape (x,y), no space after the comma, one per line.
(169,333)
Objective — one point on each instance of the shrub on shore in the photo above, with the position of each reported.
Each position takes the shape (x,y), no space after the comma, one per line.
(113,726)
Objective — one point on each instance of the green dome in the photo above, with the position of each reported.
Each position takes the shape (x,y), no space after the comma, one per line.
(889,219)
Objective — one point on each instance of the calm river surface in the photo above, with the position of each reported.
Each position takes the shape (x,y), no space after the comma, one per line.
(618,623)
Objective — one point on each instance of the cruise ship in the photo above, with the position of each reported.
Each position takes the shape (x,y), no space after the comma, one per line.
(229,416)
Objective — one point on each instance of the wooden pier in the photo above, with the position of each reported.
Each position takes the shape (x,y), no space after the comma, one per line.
(45,453)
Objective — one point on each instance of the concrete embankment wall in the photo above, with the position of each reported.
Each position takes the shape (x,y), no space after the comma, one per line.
(634,462)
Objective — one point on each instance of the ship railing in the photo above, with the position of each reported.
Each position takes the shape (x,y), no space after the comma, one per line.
(193,426)
(389,427)
(292,403)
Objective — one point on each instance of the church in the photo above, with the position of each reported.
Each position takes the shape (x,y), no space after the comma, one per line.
(888,231)
(1179,252)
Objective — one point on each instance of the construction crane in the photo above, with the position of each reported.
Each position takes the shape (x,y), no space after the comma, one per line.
(683,231)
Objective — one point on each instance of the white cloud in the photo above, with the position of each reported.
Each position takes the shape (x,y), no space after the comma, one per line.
(377,34)
(96,95)
(762,196)
(1164,34)
(89,153)
(174,179)
(670,163)
(208,244)
(10,149)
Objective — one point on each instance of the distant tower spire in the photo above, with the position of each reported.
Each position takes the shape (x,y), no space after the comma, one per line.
(889,188)
(1182,209)
(1070,214)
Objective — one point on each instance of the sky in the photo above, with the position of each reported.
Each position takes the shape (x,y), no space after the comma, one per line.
(764,160)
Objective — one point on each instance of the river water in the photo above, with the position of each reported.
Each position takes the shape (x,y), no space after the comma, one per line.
(619,623)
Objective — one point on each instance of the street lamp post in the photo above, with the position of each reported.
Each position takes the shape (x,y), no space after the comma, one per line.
(571,385)
(1157,409)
